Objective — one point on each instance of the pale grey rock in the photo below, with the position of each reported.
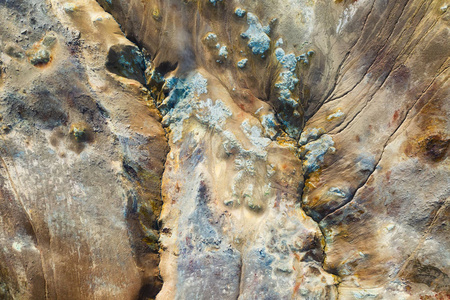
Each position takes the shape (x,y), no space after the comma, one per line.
(317,169)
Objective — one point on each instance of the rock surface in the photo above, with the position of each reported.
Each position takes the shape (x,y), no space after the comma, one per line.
(224,149)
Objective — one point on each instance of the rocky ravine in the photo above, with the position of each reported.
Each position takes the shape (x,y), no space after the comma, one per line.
(219,149)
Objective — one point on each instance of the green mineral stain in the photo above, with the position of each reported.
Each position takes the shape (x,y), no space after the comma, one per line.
(42,56)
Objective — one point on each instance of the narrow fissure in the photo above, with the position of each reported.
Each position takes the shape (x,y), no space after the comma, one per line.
(156,91)
(148,290)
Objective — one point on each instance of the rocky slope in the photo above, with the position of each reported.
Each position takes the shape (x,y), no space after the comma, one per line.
(219,149)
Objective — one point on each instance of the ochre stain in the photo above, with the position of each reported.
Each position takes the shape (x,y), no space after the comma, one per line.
(388,175)
(435,147)
(432,148)
(408,149)
(313,181)
(437,296)
(395,116)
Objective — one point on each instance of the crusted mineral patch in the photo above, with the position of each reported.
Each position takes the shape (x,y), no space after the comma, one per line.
(222,149)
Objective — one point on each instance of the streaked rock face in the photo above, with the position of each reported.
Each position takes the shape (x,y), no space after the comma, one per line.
(224,149)
(82,154)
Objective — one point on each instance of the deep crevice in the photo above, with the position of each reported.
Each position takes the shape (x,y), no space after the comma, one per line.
(374,59)
(338,72)
(165,68)
(388,140)
(148,290)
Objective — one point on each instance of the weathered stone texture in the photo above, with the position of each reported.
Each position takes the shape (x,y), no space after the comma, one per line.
(221,149)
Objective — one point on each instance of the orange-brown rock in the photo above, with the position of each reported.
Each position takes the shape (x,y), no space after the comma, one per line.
(222,149)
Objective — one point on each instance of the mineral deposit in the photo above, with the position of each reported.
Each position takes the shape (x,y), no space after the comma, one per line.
(224,149)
